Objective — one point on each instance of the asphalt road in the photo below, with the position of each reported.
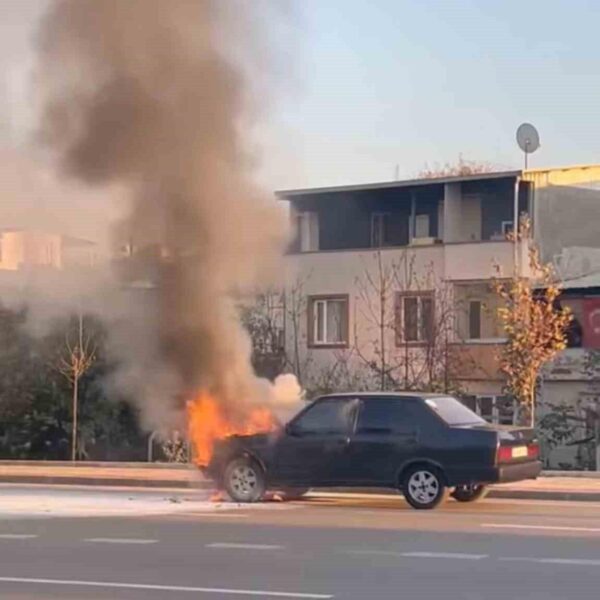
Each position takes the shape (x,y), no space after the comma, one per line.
(352,548)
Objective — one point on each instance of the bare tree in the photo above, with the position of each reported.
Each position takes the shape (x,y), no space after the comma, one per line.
(296,306)
(405,348)
(460,167)
(74,360)
(264,320)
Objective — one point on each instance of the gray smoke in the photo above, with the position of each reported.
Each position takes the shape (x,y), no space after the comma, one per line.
(153,98)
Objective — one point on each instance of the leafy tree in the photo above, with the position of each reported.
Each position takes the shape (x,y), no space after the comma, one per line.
(534,323)
(35,399)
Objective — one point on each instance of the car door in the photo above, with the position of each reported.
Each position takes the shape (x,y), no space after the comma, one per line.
(311,448)
(387,434)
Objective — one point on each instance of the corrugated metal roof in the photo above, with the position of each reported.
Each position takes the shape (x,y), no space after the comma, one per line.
(285,194)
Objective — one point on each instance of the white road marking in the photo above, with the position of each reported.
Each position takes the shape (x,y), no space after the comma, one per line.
(120,541)
(540,527)
(454,555)
(17,536)
(164,588)
(239,546)
(450,555)
(553,561)
(216,515)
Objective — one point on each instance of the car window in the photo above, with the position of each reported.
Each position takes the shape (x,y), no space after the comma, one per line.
(454,412)
(327,416)
(385,415)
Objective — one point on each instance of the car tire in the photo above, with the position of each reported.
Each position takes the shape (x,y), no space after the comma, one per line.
(424,487)
(289,494)
(244,480)
(469,493)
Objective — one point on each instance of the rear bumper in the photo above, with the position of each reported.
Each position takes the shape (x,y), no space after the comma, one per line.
(519,472)
(495,474)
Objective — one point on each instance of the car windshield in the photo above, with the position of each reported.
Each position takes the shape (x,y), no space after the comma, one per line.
(454,412)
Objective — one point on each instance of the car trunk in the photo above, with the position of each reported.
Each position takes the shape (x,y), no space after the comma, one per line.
(515,444)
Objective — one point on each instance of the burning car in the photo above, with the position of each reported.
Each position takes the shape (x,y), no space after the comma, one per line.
(427,446)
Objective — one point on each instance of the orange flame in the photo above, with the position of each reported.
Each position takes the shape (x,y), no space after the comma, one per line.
(207,423)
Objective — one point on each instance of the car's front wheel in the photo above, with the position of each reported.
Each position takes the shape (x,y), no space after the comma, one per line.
(244,480)
(469,493)
(424,487)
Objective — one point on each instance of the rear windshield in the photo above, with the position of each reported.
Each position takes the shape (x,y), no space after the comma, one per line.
(454,412)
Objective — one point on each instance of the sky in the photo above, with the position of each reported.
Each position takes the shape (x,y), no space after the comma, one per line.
(379,85)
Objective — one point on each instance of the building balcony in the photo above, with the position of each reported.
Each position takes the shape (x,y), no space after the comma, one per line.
(468,261)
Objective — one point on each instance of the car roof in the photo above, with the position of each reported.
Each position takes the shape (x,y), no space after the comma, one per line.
(367,395)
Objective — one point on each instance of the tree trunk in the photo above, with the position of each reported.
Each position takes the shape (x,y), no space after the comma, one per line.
(75,407)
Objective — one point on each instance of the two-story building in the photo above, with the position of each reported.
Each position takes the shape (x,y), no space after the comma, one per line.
(23,249)
(387,269)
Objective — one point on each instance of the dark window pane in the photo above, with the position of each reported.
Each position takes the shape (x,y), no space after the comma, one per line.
(427,319)
(327,416)
(486,407)
(411,322)
(505,408)
(470,402)
(385,415)
(474,320)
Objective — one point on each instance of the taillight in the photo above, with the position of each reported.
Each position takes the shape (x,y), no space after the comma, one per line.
(533,451)
(504,454)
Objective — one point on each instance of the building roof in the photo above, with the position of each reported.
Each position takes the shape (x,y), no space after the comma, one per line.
(591,280)
(556,175)
(285,194)
(415,394)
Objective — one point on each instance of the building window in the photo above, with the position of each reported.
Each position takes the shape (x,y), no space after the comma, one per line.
(379,229)
(328,321)
(475,319)
(507,227)
(414,317)
(422,226)
(499,410)
(307,231)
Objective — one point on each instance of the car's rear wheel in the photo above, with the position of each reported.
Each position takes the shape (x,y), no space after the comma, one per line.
(424,487)
(244,480)
(293,493)
(469,493)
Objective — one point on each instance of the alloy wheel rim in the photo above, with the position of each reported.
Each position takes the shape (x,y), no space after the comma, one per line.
(244,481)
(423,487)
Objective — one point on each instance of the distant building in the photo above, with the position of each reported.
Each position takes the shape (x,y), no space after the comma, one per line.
(24,249)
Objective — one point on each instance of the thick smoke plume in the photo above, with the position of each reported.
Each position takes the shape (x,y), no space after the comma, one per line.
(154,97)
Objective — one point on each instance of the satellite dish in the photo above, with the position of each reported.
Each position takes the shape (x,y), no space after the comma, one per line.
(528,139)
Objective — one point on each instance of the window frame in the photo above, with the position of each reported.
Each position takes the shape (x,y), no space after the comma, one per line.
(494,417)
(379,218)
(504,225)
(400,317)
(350,401)
(312,321)
(407,408)
(420,217)
(307,221)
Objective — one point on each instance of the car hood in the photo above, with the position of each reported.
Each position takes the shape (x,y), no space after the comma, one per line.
(255,440)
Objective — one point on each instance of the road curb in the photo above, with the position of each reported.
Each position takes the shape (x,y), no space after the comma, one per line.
(208,485)
(545,495)
(106,481)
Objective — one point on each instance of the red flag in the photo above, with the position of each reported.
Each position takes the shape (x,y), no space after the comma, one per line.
(591,323)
